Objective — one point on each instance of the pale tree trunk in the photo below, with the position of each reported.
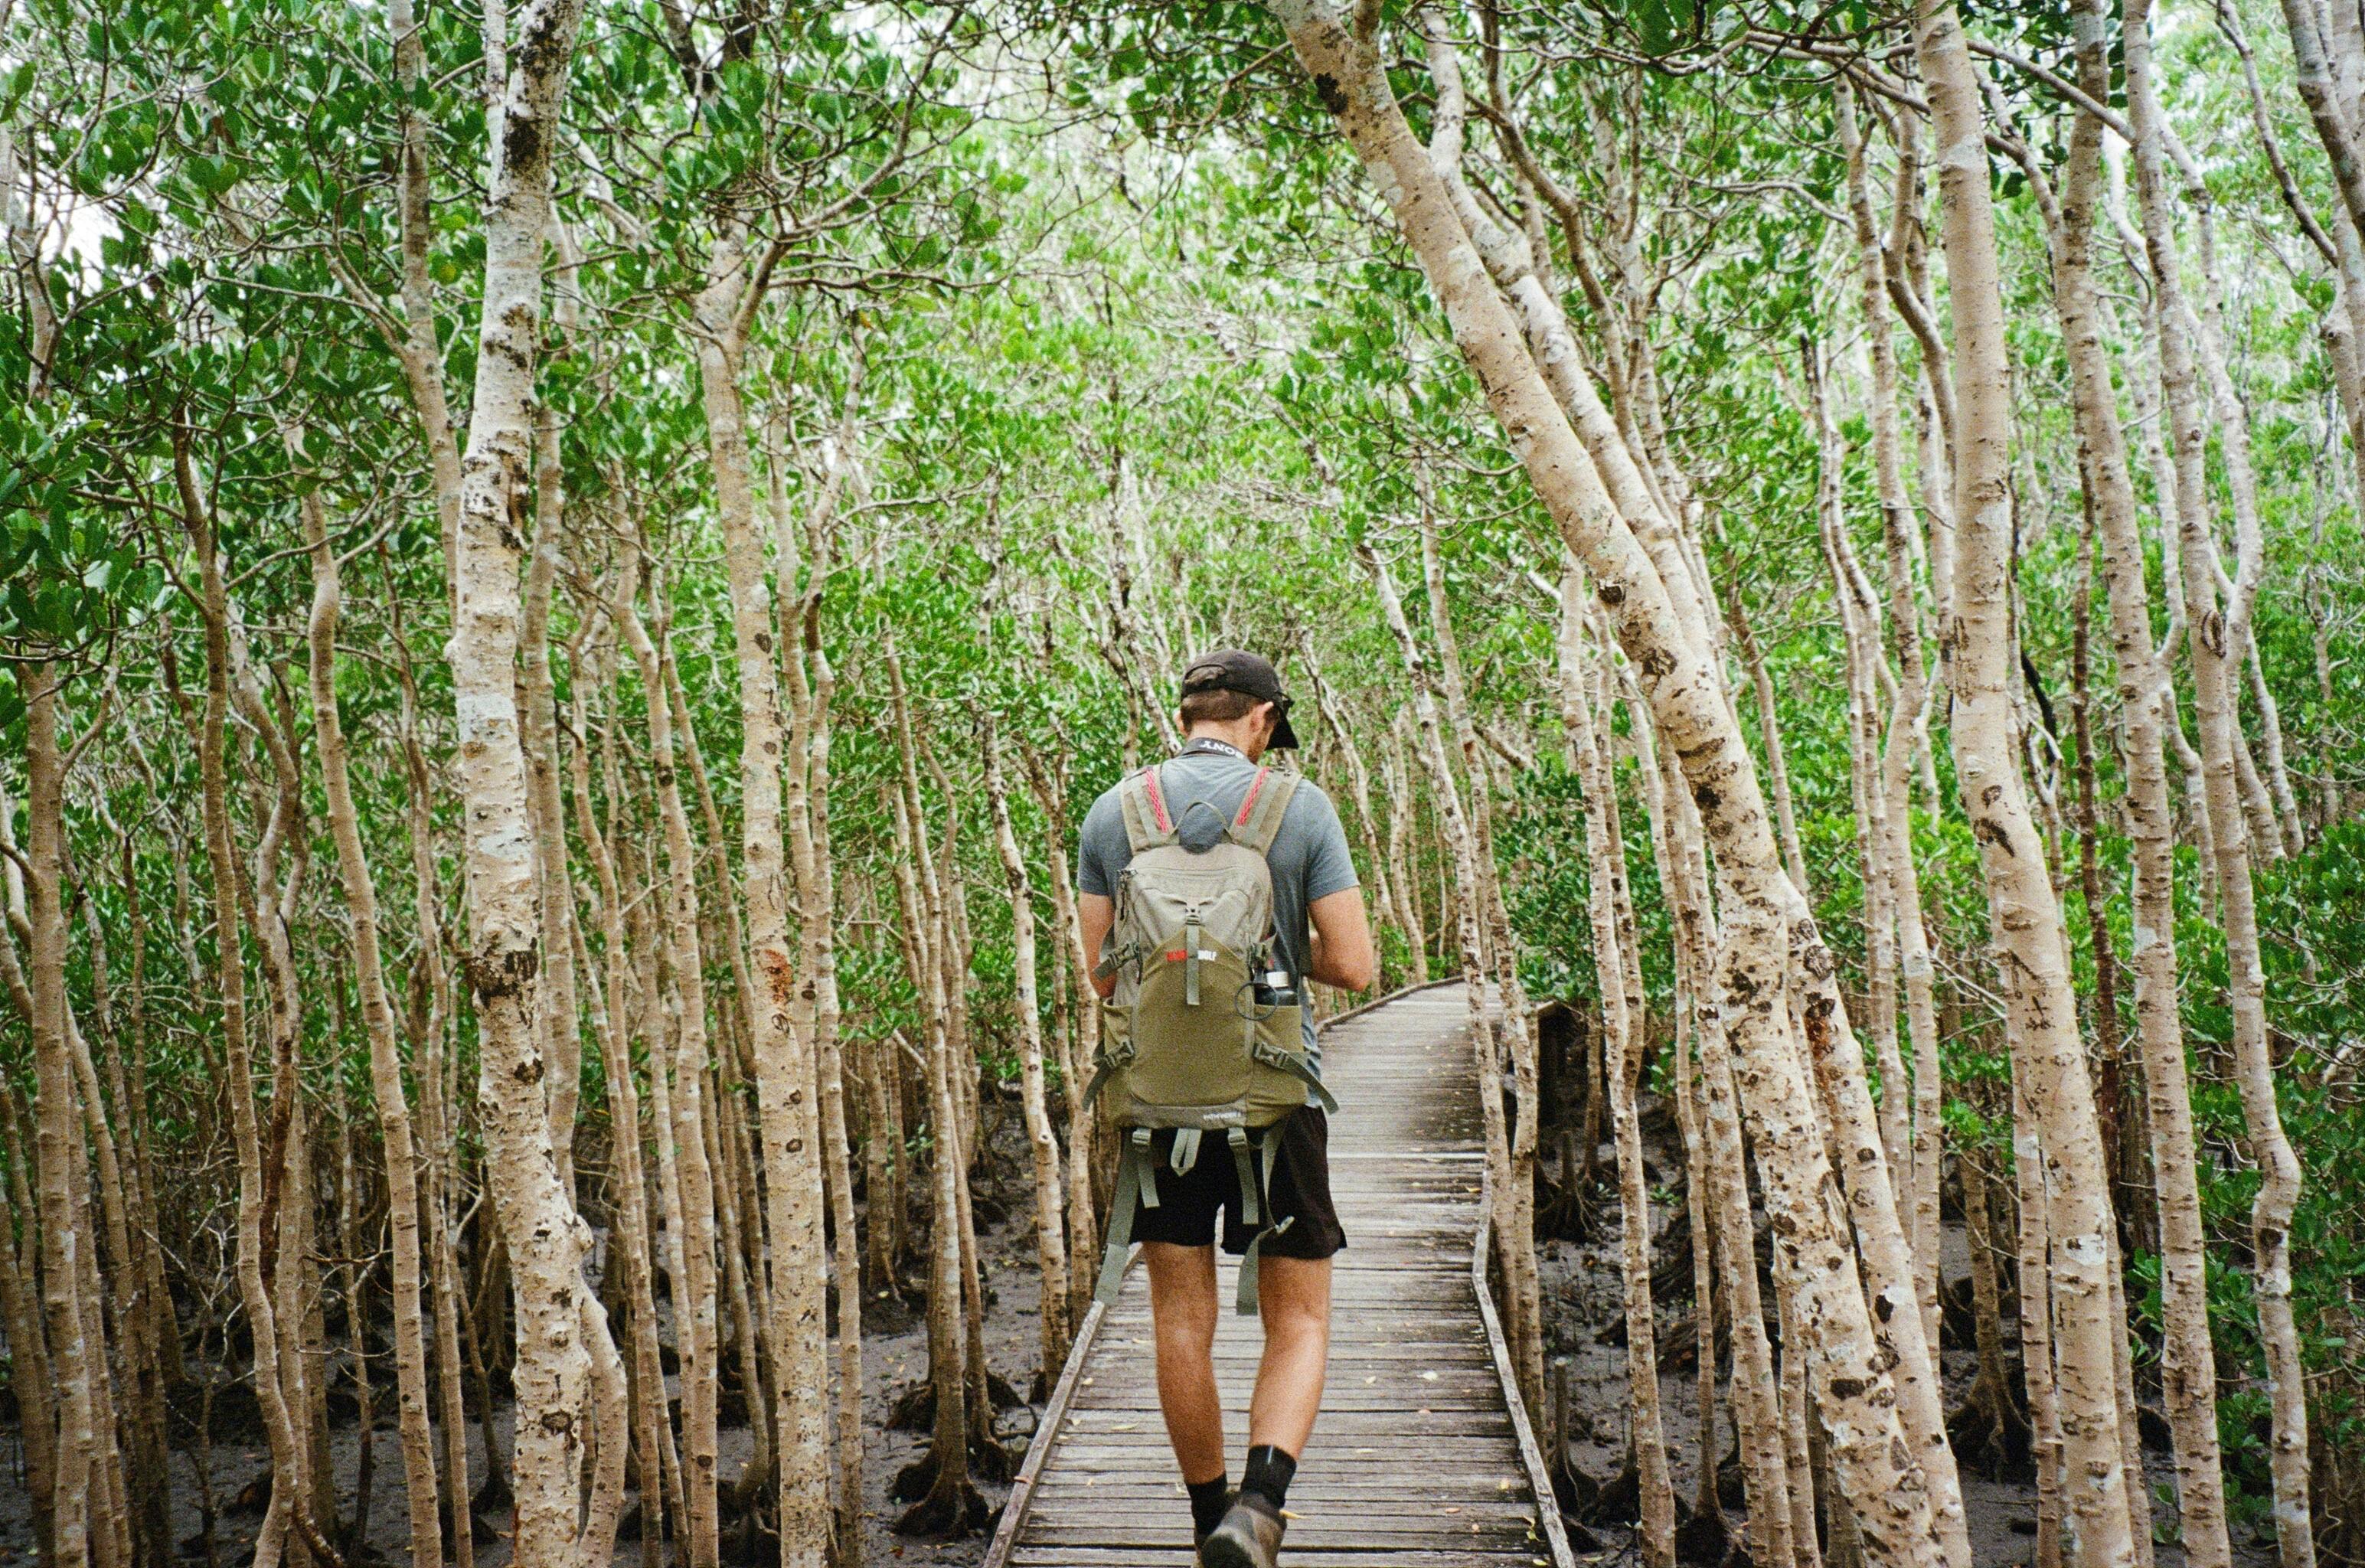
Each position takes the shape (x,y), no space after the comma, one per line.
(546,1240)
(1513,1024)
(304,1499)
(386,1061)
(1797,1453)
(1859,622)
(116,1533)
(647,940)
(2038,1368)
(949,1500)
(811,692)
(945,893)
(1756,1404)
(425,1023)
(118,1317)
(610,1012)
(1397,784)
(538,737)
(1913,959)
(1622,1046)
(2042,1007)
(1875,1463)
(1699,1196)
(77,1531)
(786,1082)
(138,1324)
(2216,636)
(1083,1129)
(2189,1382)
(1387,894)
(1461,842)
(1769,729)
(256,1181)
(1051,1243)
(697,1330)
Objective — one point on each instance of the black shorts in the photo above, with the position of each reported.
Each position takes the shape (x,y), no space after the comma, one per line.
(1298,1190)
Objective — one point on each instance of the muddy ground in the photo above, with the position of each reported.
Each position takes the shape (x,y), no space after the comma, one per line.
(1585,1304)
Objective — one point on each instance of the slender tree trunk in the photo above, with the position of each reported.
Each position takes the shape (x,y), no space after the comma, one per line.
(696,1294)
(949,1500)
(786,1080)
(1461,844)
(1914,957)
(546,1240)
(1622,1045)
(75,1363)
(256,1229)
(1083,1227)
(412,1396)
(1050,1242)
(1777,762)
(1513,1024)
(1756,1404)
(2042,1013)
(811,692)
(2217,634)
(2188,1369)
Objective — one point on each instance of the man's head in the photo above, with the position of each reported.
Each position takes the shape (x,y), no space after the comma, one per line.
(1236,697)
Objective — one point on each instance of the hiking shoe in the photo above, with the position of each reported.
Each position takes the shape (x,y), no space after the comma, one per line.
(1198,1535)
(1249,1537)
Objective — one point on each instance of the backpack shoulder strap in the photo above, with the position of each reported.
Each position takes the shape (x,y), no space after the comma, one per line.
(1266,802)
(1148,824)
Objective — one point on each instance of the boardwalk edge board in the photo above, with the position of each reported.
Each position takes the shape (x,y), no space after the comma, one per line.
(1038,1448)
(1530,1451)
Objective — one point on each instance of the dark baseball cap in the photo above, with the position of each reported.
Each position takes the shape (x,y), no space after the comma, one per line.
(1250,675)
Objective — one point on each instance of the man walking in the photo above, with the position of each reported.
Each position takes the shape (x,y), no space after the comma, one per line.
(1232,712)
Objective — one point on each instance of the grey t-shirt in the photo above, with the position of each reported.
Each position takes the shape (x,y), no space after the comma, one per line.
(1309,856)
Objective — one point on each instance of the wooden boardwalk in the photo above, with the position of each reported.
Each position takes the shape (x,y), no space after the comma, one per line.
(1422,1456)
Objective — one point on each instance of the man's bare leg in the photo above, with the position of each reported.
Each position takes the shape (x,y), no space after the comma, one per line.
(1293,1296)
(1182,1316)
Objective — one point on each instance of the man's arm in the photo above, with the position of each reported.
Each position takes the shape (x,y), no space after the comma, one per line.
(1096,913)
(1343,952)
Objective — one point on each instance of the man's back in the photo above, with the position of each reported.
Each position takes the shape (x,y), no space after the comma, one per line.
(1309,856)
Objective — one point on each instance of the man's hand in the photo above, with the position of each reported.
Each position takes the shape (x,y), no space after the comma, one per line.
(1096,913)
(1343,952)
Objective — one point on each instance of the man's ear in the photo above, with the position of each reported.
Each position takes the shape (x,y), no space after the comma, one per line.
(1266,717)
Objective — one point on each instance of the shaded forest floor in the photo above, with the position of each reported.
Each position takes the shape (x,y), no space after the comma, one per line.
(1585,1308)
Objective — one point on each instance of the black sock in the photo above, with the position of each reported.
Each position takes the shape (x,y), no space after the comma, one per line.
(1208,1500)
(1268,1474)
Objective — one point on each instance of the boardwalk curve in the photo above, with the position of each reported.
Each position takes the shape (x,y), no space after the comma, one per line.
(1423,1455)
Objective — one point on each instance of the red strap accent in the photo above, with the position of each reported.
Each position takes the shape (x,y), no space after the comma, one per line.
(1249,804)
(1157,798)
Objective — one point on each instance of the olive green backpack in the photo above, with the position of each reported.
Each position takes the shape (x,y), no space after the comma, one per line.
(1188,1043)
